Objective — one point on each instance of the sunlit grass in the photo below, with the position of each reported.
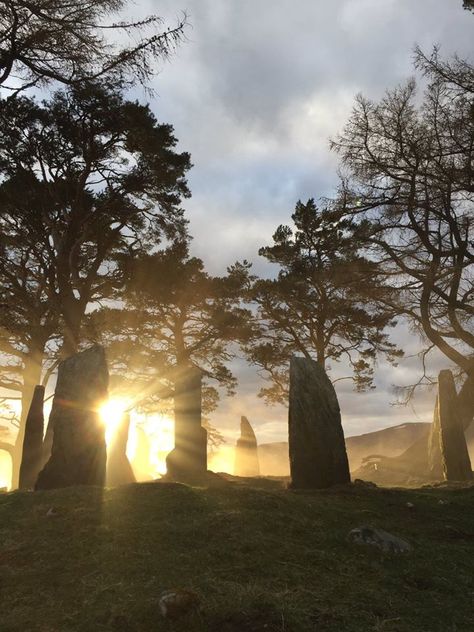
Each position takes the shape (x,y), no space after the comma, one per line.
(260,559)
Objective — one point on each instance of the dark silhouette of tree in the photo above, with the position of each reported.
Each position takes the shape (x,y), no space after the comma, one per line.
(86,177)
(175,315)
(320,305)
(410,173)
(29,327)
(44,40)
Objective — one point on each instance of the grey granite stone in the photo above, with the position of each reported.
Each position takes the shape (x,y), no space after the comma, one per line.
(318,456)
(78,455)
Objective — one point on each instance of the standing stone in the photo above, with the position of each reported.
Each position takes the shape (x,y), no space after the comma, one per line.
(189,456)
(78,454)
(246,451)
(454,453)
(435,459)
(33,442)
(48,442)
(119,470)
(318,456)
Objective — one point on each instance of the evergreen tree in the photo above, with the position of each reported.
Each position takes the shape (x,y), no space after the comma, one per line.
(174,315)
(73,42)
(320,304)
(86,177)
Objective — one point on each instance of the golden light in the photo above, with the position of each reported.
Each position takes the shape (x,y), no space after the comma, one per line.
(111,413)
(222,460)
(5,469)
(161,434)
(9,407)
(150,437)
(159,430)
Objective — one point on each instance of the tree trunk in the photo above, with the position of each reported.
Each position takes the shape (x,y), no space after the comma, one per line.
(73,314)
(454,453)
(189,456)
(465,401)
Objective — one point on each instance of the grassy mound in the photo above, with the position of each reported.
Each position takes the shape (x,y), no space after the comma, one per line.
(260,559)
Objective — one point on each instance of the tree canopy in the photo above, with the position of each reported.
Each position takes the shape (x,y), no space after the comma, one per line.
(410,173)
(44,40)
(86,178)
(176,314)
(321,303)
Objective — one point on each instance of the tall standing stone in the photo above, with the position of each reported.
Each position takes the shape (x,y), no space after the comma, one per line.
(33,441)
(246,451)
(435,459)
(189,456)
(454,453)
(318,456)
(47,442)
(119,470)
(78,455)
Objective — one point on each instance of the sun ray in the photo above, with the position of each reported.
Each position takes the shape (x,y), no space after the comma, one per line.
(111,413)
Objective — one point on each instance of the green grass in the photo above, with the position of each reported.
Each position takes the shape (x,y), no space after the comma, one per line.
(261,559)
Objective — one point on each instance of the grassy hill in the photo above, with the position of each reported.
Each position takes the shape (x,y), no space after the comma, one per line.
(262,559)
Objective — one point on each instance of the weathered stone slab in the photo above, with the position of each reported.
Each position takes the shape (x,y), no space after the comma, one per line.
(454,453)
(435,460)
(246,451)
(78,455)
(318,456)
(31,460)
(379,538)
(119,470)
(189,456)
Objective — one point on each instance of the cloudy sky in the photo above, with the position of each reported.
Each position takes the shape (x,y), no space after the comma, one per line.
(254,95)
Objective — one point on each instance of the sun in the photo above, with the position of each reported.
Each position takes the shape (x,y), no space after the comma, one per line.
(150,439)
(111,413)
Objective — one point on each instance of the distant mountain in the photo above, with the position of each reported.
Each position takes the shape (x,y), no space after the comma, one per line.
(389,442)
(409,468)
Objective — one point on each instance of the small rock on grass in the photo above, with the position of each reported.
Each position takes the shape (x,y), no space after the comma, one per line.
(379,538)
(176,602)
